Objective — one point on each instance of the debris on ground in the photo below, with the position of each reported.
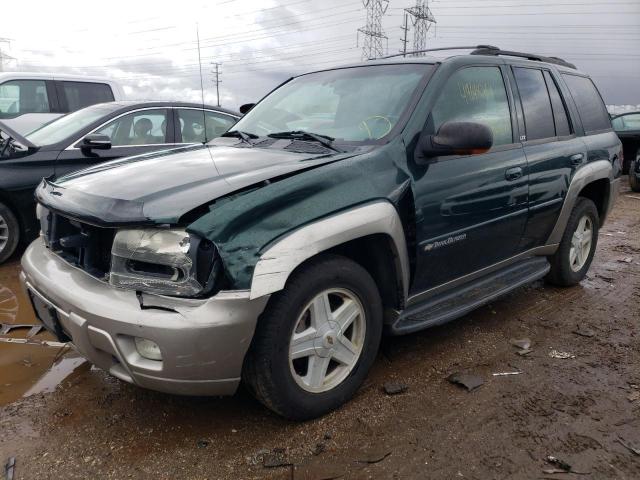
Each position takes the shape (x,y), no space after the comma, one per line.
(561,355)
(633,450)
(6,328)
(634,396)
(583,331)
(626,260)
(561,464)
(202,443)
(604,277)
(276,458)
(374,455)
(10,468)
(467,380)
(523,344)
(504,374)
(320,447)
(258,457)
(395,388)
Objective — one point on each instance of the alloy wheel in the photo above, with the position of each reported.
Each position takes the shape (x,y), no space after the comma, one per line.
(4,233)
(327,340)
(581,242)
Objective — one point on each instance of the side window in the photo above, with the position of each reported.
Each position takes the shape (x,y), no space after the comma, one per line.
(147,127)
(23,96)
(83,94)
(476,94)
(625,123)
(590,106)
(191,124)
(538,116)
(559,110)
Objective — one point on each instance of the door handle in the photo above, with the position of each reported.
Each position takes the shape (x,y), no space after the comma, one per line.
(512,174)
(576,159)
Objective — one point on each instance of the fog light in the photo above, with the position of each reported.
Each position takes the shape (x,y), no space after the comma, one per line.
(148,349)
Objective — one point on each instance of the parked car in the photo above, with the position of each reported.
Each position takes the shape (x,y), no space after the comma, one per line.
(86,137)
(419,189)
(634,174)
(627,126)
(29,100)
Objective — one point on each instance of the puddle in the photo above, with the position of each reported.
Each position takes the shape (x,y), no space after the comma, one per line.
(27,369)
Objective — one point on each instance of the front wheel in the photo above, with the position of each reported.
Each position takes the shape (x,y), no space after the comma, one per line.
(573,258)
(317,339)
(634,183)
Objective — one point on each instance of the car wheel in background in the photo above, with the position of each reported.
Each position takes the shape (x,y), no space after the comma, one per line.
(9,232)
(634,183)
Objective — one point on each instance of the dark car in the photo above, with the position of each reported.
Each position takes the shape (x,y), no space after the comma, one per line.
(391,195)
(88,136)
(627,126)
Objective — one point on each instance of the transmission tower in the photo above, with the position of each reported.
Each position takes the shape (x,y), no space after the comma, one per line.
(3,56)
(217,80)
(422,20)
(374,37)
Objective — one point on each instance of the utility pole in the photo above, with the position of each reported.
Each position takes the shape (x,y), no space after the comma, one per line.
(217,81)
(4,56)
(422,21)
(372,46)
(405,27)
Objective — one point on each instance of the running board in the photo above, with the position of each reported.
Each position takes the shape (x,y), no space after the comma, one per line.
(455,303)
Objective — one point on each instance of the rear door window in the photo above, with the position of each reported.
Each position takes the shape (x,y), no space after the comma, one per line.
(23,96)
(146,127)
(560,116)
(476,94)
(82,94)
(536,105)
(191,124)
(591,109)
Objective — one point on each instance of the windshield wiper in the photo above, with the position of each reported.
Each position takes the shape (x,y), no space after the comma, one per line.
(244,136)
(324,140)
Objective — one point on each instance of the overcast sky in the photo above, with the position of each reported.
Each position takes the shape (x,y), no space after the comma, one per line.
(150,47)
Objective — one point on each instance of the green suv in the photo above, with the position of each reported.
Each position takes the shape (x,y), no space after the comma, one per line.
(388,196)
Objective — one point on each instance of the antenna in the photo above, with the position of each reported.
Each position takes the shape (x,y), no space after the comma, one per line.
(217,81)
(422,21)
(372,31)
(204,120)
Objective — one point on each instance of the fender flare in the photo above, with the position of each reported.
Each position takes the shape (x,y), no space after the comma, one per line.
(282,257)
(589,173)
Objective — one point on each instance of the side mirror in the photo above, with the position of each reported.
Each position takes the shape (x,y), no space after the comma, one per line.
(455,138)
(96,141)
(246,107)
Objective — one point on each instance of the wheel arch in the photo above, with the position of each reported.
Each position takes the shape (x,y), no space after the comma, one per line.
(371,234)
(593,181)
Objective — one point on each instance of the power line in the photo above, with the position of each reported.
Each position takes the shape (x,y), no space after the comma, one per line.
(372,44)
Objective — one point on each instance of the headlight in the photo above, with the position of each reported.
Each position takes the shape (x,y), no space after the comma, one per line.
(161,261)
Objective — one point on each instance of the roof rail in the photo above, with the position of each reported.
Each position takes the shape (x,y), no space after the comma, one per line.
(403,54)
(490,50)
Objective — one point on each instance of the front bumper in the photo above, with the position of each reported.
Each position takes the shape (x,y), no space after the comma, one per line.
(203,341)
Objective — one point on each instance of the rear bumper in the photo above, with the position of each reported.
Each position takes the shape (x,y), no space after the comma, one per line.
(203,341)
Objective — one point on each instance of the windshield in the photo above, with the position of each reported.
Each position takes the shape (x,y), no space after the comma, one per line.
(66,126)
(357,104)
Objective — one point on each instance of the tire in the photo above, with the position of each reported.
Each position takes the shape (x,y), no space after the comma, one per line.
(634,183)
(278,382)
(9,233)
(568,269)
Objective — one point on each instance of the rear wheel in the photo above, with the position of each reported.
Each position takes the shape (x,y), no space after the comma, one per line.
(9,232)
(573,258)
(317,339)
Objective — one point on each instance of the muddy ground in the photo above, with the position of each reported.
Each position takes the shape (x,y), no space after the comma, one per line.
(582,410)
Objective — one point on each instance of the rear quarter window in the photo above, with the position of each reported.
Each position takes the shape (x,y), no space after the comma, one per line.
(83,94)
(591,108)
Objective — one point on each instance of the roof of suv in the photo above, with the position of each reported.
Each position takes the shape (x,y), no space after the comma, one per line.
(166,103)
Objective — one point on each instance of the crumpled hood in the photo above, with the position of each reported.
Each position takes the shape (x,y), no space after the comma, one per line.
(161,187)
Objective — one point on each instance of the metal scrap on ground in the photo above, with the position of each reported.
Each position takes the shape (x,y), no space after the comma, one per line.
(467,380)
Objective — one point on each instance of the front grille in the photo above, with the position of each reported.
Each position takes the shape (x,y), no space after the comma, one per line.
(80,244)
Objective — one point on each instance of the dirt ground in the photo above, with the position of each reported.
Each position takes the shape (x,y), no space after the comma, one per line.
(584,410)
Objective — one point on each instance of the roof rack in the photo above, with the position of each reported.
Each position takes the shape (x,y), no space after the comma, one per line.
(403,54)
(491,50)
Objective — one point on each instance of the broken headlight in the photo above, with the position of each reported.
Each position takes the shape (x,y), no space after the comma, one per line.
(166,262)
